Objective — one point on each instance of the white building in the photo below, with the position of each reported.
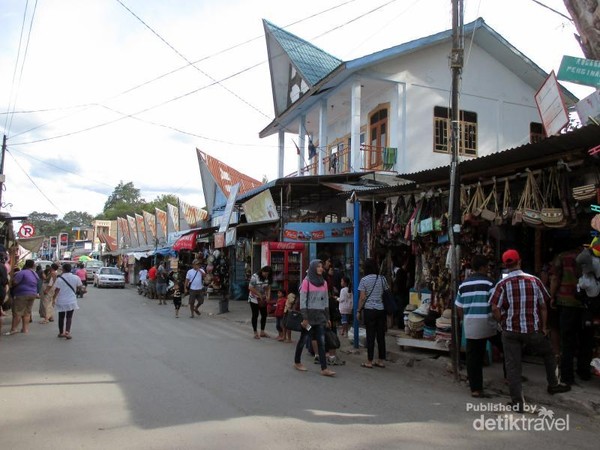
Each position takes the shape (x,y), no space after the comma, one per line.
(389,111)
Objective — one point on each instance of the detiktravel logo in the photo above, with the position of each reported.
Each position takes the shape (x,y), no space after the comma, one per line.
(503,417)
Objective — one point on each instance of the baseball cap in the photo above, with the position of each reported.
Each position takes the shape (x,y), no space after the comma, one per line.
(510,256)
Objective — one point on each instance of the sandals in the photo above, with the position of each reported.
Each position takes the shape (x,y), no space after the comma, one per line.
(61,335)
(256,336)
(328,373)
(68,335)
(301,367)
(263,334)
(479,394)
(366,365)
(378,364)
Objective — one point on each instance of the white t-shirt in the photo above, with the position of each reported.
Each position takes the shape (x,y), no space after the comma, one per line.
(66,300)
(196,278)
(143,275)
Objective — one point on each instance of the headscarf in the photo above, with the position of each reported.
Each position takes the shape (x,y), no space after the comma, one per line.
(313,277)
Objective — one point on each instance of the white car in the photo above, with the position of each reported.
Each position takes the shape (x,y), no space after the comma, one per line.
(109,277)
(91,267)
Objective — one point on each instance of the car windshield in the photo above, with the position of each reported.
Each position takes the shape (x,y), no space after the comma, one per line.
(94,264)
(110,271)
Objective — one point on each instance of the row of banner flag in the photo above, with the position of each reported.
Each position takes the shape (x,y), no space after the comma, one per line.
(151,229)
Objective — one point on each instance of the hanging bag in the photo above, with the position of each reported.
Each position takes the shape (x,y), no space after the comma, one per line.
(489,210)
(532,208)
(507,209)
(552,216)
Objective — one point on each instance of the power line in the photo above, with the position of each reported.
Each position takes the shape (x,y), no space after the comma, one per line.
(131,115)
(13,92)
(33,182)
(553,10)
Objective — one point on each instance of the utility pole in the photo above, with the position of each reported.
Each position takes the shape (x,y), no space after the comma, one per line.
(456,64)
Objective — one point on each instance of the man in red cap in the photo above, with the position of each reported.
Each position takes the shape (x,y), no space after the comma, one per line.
(519,304)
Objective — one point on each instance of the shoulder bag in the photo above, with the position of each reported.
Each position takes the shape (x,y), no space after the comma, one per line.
(293,319)
(332,341)
(67,283)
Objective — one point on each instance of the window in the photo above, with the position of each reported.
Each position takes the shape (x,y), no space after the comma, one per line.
(467,143)
(536,132)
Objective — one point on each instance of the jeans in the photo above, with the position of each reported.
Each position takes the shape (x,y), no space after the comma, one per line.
(513,346)
(317,332)
(375,323)
(475,350)
(575,341)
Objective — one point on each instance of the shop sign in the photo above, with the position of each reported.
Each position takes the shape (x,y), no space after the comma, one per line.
(285,246)
(229,208)
(260,208)
(580,71)
(589,108)
(318,232)
(551,106)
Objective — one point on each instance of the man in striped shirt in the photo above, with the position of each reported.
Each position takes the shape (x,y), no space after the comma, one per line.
(478,324)
(519,304)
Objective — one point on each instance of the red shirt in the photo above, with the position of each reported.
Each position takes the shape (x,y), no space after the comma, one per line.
(152,273)
(520,298)
(81,274)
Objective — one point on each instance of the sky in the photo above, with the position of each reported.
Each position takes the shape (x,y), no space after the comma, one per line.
(98,92)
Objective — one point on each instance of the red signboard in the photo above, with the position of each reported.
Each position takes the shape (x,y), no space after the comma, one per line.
(187,242)
(286,246)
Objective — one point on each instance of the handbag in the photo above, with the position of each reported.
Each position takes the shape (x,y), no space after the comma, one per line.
(389,302)
(293,320)
(551,216)
(507,210)
(332,341)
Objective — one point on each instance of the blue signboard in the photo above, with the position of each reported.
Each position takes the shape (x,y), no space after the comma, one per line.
(318,232)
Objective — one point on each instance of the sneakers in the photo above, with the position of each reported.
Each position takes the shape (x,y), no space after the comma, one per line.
(335,361)
(558,389)
(316,360)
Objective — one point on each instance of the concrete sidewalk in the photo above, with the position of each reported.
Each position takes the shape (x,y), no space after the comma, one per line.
(584,398)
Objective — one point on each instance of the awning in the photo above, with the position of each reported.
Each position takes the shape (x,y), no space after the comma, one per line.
(186,242)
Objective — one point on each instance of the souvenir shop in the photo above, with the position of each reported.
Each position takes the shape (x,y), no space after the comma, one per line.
(538,198)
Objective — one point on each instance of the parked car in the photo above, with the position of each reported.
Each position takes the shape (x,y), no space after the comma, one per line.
(109,277)
(91,267)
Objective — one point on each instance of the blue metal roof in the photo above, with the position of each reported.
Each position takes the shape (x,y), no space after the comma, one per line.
(313,63)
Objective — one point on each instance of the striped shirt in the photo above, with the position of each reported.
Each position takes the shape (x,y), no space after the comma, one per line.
(473,296)
(373,290)
(520,298)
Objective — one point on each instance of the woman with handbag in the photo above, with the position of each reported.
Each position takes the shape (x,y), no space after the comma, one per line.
(314,305)
(370,302)
(259,295)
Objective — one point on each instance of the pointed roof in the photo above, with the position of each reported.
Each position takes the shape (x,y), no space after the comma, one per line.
(218,178)
(480,32)
(286,52)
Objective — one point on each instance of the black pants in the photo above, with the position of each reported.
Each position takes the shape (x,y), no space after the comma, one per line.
(513,349)
(475,351)
(263,316)
(576,341)
(375,323)
(61,321)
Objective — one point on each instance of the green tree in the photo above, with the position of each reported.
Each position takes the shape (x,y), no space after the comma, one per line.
(125,200)
(160,202)
(78,219)
(47,224)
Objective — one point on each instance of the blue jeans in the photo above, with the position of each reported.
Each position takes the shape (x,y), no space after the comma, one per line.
(317,332)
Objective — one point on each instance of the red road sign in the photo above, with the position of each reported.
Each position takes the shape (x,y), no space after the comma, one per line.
(27,230)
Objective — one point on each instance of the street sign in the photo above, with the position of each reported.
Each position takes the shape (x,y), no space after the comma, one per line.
(63,240)
(551,106)
(27,230)
(580,71)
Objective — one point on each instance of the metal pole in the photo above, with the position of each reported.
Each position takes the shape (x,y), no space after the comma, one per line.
(356,258)
(456,64)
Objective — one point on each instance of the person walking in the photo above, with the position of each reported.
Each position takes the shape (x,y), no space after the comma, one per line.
(259,295)
(48,293)
(479,325)
(162,280)
(152,281)
(370,288)
(64,299)
(194,286)
(24,291)
(576,339)
(519,303)
(314,306)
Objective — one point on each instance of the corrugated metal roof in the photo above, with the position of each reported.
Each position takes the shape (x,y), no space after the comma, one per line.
(312,62)
(553,147)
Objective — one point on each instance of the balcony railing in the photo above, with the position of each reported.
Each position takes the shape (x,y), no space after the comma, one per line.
(373,158)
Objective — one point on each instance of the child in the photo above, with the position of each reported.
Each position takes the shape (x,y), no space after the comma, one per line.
(346,304)
(289,306)
(177,297)
(279,313)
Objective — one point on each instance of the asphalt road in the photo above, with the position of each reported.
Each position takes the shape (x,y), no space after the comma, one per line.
(134,377)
